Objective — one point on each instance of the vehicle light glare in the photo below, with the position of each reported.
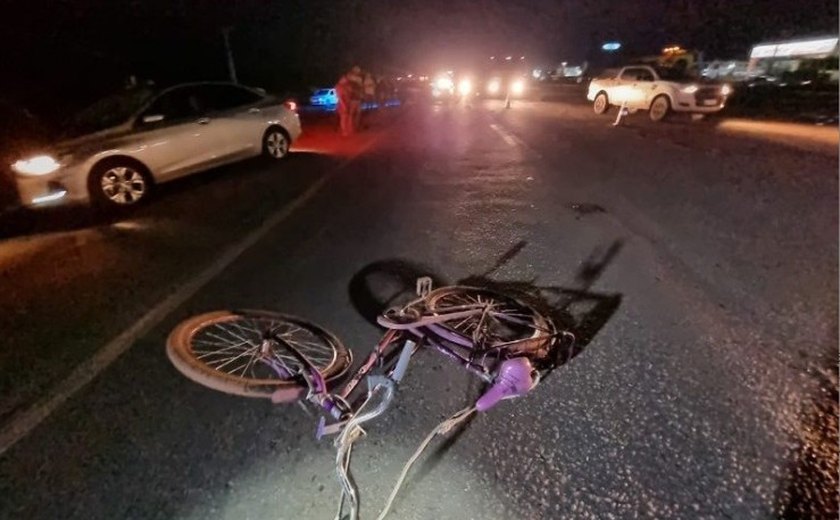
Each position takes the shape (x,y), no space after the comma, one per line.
(517,88)
(691,89)
(493,86)
(726,90)
(38,165)
(49,198)
(465,87)
(443,83)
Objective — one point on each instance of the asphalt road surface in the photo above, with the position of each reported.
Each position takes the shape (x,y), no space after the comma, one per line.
(697,264)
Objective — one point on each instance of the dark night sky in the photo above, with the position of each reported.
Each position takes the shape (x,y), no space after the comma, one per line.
(77,49)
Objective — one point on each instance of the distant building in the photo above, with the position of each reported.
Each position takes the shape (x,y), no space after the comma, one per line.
(816,56)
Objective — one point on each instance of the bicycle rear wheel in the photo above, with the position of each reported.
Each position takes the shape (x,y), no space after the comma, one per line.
(225,351)
(510,325)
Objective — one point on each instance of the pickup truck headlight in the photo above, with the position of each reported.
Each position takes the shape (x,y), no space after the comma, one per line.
(691,89)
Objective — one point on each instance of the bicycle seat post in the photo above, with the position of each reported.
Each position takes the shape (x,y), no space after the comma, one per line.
(424,286)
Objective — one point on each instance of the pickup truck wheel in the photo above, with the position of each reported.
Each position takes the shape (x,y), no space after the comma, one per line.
(660,108)
(601,104)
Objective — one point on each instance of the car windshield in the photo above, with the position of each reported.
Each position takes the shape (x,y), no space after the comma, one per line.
(107,112)
(675,74)
(322,92)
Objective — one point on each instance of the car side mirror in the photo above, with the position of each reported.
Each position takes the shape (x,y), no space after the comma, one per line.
(153,118)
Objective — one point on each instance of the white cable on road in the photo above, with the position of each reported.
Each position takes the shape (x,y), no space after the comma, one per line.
(441,429)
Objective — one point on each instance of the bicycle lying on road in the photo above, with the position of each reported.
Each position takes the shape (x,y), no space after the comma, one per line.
(504,342)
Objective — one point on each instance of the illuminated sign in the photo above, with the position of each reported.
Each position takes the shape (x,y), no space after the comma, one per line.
(763,51)
(792,49)
(611,46)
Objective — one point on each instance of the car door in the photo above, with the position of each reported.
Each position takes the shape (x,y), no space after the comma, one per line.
(646,87)
(236,123)
(632,82)
(622,91)
(171,133)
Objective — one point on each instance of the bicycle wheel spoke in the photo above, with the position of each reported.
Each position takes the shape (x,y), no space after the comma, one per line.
(227,340)
(231,332)
(247,331)
(283,360)
(254,356)
(501,320)
(225,362)
(310,350)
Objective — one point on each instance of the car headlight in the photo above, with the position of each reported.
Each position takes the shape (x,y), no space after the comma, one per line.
(493,86)
(465,87)
(691,89)
(517,87)
(37,165)
(726,90)
(443,83)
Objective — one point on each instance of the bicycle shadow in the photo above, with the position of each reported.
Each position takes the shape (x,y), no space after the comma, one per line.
(575,307)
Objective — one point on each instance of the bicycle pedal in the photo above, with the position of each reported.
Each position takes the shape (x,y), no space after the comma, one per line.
(424,286)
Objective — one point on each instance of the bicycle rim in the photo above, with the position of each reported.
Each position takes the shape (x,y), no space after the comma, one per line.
(224,351)
(507,322)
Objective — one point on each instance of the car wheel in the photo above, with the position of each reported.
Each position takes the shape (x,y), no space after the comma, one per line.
(601,104)
(660,108)
(276,143)
(119,183)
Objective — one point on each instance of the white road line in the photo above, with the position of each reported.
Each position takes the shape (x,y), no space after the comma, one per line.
(513,140)
(509,139)
(26,420)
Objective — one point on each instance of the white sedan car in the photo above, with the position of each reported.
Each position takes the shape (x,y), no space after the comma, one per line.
(115,151)
(659,90)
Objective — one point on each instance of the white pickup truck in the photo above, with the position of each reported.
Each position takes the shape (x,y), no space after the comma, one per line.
(661,91)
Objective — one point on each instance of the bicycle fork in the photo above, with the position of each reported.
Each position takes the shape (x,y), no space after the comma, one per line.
(382,388)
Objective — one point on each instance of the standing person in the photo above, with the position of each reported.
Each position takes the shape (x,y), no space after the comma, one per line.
(348,91)
(344,92)
(357,82)
(370,88)
(368,97)
(381,91)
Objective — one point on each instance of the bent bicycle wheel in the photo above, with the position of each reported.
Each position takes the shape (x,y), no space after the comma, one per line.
(510,324)
(225,351)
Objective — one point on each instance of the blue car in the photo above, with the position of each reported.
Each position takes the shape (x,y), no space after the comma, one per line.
(325,97)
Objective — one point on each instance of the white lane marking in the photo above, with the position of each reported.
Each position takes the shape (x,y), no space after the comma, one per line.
(26,420)
(509,139)
(513,140)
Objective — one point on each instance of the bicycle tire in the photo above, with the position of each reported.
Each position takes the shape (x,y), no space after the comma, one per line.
(531,338)
(182,353)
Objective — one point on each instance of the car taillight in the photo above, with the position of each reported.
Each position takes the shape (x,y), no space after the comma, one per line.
(291,105)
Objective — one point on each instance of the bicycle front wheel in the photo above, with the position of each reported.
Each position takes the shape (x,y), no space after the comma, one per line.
(226,351)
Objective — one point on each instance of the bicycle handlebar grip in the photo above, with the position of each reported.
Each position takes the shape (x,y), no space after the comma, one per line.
(514,380)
